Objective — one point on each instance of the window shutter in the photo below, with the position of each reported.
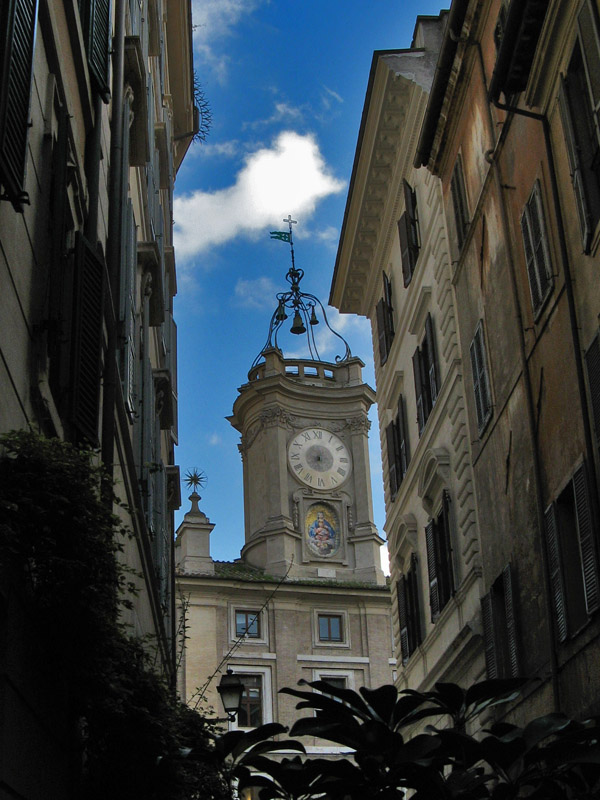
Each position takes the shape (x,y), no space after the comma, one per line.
(403,443)
(586,541)
(476,385)
(592,360)
(412,601)
(459,202)
(410,203)
(98,31)
(403,619)
(128,286)
(389,310)
(87,339)
(419,390)
(555,569)
(536,298)
(575,167)
(540,239)
(588,32)
(480,377)
(16,65)
(381,335)
(489,636)
(392,459)
(444,543)
(511,623)
(432,368)
(404,235)
(432,569)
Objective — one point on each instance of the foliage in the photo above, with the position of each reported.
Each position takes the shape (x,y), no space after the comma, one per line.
(393,753)
(59,546)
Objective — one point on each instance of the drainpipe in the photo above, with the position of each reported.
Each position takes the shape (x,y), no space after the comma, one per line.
(113,242)
(492,159)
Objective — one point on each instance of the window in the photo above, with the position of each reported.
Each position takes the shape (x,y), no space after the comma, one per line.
(579,105)
(337,681)
(499,628)
(459,202)
(385,321)
(96,25)
(572,559)
(331,628)
(409,614)
(439,559)
(397,449)
(18,20)
(408,231)
(592,360)
(247,623)
(426,375)
(251,711)
(500,27)
(481,383)
(535,240)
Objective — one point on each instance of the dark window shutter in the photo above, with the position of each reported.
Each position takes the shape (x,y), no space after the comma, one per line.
(592,360)
(390,436)
(431,366)
(419,390)
(555,569)
(444,558)
(97,25)
(410,203)
(459,202)
(87,339)
(403,619)
(381,333)
(575,166)
(403,443)
(18,20)
(588,31)
(586,541)
(489,635)
(432,570)
(413,608)
(389,310)
(404,235)
(511,622)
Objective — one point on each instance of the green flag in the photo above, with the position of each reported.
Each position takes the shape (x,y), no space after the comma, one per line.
(281,235)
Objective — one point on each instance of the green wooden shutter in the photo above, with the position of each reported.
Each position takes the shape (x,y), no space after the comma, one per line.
(557,587)
(18,19)
(98,31)
(432,570)
(444,553)
(380,316)
(417,369)
(390,436)
(403,443)
(404,236)
(489,636)
(403,618)
(459,202)
(431,366)
(587,548)
(413,607)
(87,339)
(511,621)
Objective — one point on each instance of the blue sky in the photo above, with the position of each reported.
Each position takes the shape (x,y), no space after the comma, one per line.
(286,84)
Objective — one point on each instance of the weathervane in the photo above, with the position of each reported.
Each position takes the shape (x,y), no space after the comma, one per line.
(302,304)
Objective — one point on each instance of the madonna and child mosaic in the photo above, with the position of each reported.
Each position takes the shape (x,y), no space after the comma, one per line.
(322,531)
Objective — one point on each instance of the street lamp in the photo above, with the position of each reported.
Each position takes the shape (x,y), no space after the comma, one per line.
(231,690)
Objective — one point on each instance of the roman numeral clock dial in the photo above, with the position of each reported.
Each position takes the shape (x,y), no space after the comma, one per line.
(319,459)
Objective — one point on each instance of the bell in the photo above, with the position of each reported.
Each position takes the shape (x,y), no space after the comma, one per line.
(298,326)
(313,317)
(281,315)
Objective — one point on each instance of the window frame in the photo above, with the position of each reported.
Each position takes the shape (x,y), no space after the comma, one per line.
(539,270)
(267,692)
(398,449)
(500,632)
(481,378)
(254,617)
(344,642)
(263,622)
(409,610)
(459,202)
(426,374)
(440,567)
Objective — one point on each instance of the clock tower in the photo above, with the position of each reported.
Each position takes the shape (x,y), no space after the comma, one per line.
(304,445)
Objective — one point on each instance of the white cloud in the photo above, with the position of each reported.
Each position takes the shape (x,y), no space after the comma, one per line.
(214,439)
(213,21)
(291,176)
(283,112)
(228,149)
(257,293)
(333,94)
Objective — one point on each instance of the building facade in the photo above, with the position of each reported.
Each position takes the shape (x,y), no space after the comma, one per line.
(394,266)
(509,138)
(96,114)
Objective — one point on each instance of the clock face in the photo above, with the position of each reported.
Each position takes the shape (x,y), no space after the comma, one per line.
(319,458)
